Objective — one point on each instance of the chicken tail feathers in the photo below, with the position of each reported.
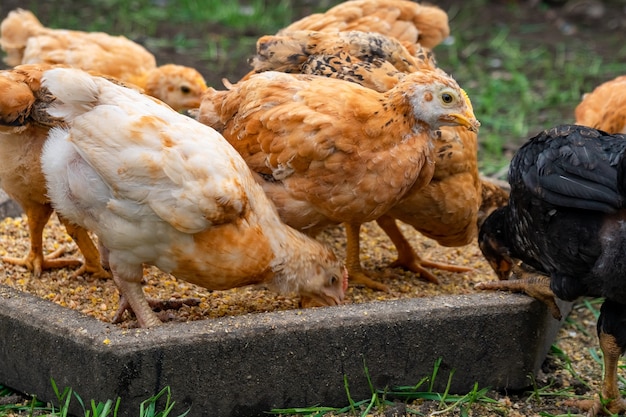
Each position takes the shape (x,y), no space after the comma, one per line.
(75,91)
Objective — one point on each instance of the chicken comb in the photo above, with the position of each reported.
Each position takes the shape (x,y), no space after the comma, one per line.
(345,279)
(467,100)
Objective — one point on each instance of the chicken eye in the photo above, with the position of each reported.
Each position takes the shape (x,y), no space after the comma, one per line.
(333,280)
(185,89)
(447,98)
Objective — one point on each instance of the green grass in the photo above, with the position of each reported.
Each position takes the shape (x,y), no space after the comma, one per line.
(142,17)
(159,405)
(383,398)
(518,87)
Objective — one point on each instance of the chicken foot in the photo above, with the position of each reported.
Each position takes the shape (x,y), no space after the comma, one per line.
(35,261)
(532,284)
(409,259)
(158,306)
(353,260)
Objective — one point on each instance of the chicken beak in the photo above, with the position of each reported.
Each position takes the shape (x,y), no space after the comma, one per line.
(466,120)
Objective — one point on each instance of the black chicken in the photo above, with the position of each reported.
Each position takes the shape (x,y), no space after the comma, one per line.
(565,223)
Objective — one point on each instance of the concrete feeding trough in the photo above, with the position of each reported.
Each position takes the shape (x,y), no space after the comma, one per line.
(247,365)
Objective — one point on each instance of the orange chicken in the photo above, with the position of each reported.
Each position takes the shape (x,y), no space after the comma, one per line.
(159,188)
(21,141)
(26,41)
(450,208)
(329,151)
(605,107)
(404,20)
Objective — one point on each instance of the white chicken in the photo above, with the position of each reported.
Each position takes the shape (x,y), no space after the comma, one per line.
(160,188)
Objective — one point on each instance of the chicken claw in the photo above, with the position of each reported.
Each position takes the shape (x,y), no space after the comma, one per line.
(38,264)
(156,305)
(536,286)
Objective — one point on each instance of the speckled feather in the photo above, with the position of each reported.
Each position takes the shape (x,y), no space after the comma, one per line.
(293,52)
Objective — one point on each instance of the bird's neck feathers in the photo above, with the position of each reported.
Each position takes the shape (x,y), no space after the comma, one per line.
(295,260)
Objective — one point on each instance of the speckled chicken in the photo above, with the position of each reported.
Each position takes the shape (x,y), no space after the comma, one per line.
(159,188)
(366,56)
(457,199)
(24,128)
(404,20)
(605,107)
(329,151)
(565,224)
(26,41)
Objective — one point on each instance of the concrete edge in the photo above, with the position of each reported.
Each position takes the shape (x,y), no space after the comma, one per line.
(247,365)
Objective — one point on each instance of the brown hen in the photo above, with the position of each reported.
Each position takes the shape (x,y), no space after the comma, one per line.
(21,142)
(26,41)
(457,199)
(330,151)
(404,20)
(605,107)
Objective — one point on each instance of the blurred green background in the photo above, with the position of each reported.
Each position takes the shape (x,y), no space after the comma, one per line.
(525,64)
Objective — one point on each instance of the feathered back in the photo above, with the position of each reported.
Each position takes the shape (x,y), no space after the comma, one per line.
(288,51)
(402,19)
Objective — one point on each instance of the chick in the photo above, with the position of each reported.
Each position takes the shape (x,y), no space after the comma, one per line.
(329,151)
(159,188)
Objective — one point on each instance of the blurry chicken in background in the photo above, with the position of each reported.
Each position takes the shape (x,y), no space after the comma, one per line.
(565,224)
(404,20)
(457,199)
(23,132)
(26,41)
(330,151)
(159,188)
(605,107)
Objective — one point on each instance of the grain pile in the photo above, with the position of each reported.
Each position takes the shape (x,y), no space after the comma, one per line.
(99,298)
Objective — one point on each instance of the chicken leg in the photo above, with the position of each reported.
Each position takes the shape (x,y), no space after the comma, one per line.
(407,257)
(353,259)
(35,261)
(93,264)
(612,338)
